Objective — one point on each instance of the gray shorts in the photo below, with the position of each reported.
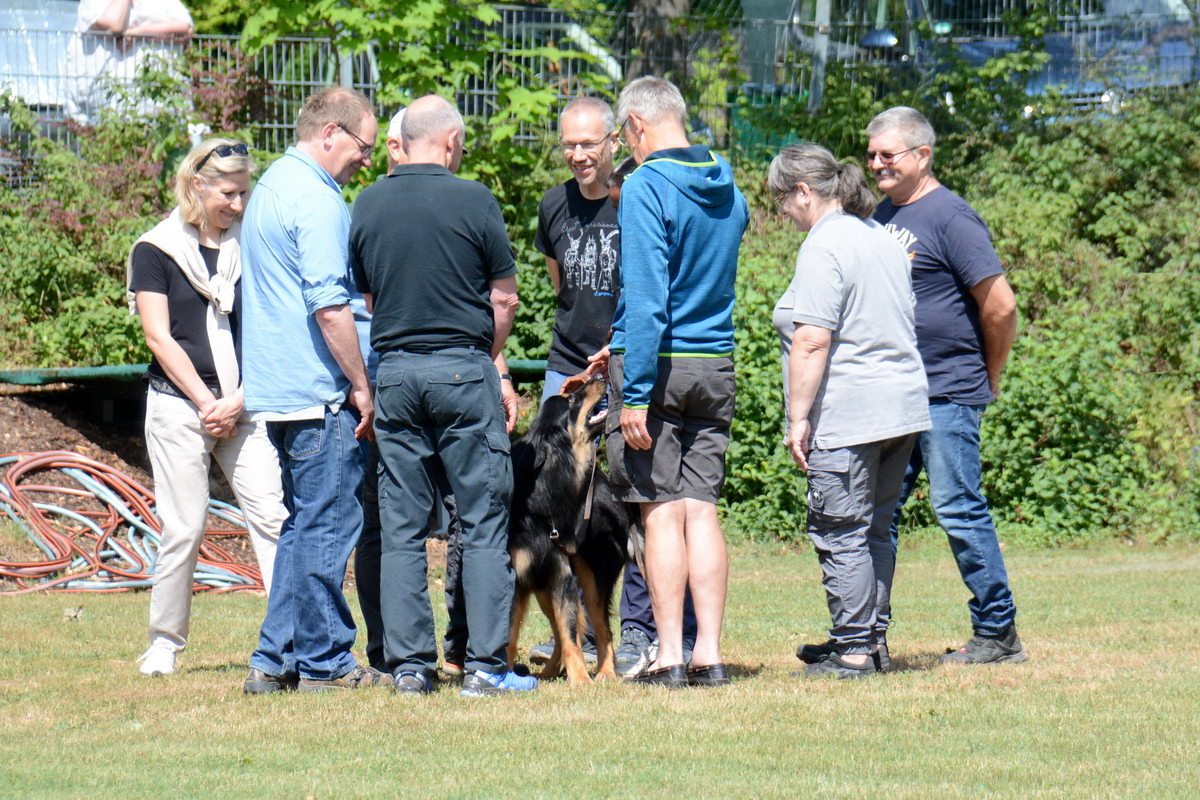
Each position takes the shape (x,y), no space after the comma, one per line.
(691,409)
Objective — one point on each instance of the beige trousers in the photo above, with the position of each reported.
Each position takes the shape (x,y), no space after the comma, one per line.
(180,452)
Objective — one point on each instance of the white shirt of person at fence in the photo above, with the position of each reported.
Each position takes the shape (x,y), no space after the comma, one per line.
(134,35)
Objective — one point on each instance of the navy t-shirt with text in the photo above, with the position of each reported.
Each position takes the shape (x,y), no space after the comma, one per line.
(950,250)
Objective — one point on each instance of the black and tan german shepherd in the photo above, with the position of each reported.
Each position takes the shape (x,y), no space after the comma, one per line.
(567,530)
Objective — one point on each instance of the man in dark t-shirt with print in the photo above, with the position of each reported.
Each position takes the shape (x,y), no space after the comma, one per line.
(966,322)
(578,234)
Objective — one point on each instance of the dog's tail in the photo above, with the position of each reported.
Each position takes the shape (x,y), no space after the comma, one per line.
(637,537)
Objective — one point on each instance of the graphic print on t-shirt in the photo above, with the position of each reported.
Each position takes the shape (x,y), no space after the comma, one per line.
(582,237)
(590,260)
(951,251)
(906,238)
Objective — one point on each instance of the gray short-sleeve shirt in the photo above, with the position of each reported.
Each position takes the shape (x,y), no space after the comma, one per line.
(852,277)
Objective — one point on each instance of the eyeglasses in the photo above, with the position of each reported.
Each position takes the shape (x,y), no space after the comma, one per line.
(887,158)
(224,151)
(620,133)
(569,148)
(781,196)
(364,149)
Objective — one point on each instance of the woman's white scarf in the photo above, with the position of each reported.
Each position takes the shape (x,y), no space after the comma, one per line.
(181,241)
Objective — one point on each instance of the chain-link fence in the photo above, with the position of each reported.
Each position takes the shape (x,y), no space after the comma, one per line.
(716,61)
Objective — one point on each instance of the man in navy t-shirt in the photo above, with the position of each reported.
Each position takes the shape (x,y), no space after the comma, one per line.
(966,322)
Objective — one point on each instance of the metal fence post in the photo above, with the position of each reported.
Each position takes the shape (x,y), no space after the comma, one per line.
(816,85)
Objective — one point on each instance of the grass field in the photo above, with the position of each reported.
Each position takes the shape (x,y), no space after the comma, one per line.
(1108,705)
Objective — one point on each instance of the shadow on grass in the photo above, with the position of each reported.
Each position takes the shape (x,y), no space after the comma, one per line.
(231,666)
(745,671)
(921,662)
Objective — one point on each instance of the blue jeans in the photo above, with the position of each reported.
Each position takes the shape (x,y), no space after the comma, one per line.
(308,628)
(554,382)
(949,453)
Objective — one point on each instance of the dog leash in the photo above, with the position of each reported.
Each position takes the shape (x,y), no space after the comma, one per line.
(587,503)
(591,492)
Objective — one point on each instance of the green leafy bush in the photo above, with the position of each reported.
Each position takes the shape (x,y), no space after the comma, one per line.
(65,236)
(1096,427)
(1093,216)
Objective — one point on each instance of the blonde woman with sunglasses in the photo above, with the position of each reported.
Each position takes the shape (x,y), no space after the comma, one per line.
(183,281)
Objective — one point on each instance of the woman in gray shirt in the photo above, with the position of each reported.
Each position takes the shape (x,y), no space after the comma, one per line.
(855,391)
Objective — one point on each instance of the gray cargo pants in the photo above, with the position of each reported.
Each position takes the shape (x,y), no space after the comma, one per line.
(852,494)
(443,407)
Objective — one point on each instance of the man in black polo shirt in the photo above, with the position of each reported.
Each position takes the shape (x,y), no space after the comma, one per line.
(432,256)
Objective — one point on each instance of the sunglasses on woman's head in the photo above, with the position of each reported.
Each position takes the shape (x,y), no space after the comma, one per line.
(224,151)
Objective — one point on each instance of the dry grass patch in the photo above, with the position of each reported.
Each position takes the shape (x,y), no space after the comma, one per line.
(1105,708)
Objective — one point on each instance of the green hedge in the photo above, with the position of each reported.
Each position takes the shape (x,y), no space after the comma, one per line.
(1094,217)
(1095,431)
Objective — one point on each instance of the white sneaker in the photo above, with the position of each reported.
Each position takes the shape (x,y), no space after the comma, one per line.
(158,660)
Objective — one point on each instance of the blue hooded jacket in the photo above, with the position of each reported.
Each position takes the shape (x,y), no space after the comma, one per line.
(682,220)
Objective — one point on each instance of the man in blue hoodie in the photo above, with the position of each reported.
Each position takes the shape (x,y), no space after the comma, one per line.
(671,371)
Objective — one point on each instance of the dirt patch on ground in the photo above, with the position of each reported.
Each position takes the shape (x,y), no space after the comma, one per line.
(33,421)
(66,418)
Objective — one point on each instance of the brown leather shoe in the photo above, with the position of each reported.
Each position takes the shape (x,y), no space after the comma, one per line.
(709,675)
(259,682)
(672,677)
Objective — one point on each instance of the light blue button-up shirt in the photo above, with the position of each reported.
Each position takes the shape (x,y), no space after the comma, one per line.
(294,239)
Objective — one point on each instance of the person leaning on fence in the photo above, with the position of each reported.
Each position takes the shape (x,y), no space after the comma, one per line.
(305,378)
(966,323)
(855,395)
(184,280)
(115,41)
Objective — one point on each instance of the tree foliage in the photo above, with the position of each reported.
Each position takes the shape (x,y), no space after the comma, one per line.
(1093,214)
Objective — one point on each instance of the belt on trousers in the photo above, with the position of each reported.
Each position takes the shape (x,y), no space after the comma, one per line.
(164,386)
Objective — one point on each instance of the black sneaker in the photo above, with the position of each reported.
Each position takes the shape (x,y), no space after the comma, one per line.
(633,655)
(411,682)
(358,678)
(259,682)
(812,653)
(1003,649)
(541,653)
(832,666)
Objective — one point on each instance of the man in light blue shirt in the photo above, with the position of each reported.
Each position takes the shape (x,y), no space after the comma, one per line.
(304,376)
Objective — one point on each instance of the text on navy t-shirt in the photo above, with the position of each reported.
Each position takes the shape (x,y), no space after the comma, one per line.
(950,250)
